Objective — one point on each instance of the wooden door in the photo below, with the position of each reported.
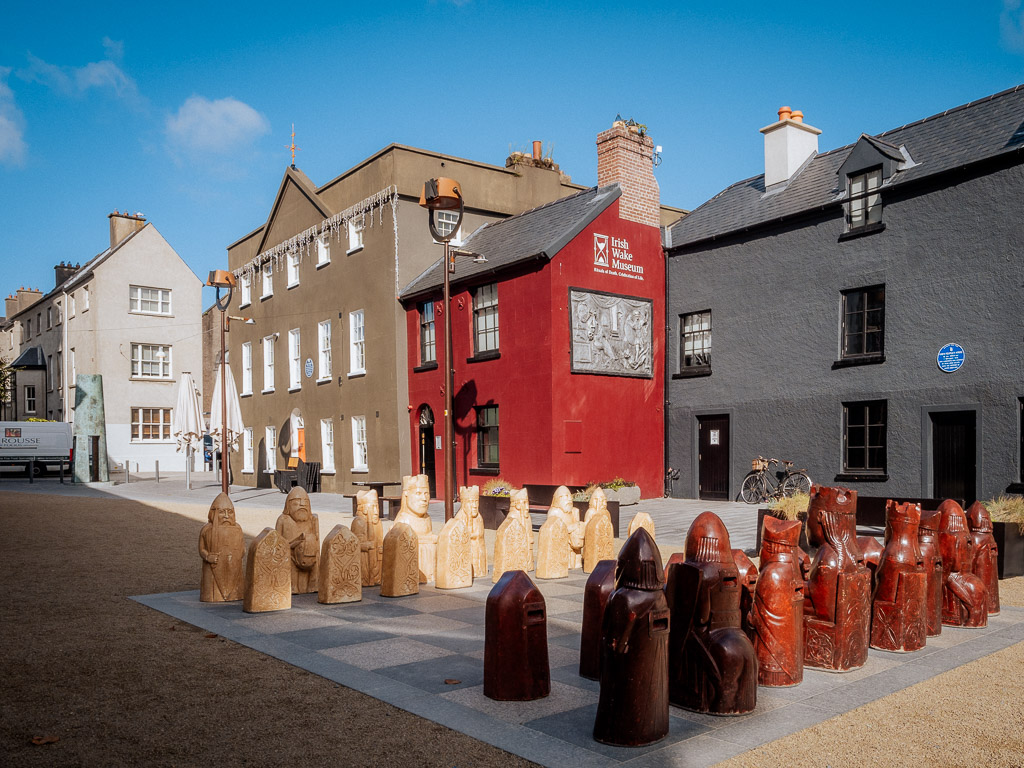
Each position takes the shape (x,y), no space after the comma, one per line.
(427,451)
(954,470)
(713,457)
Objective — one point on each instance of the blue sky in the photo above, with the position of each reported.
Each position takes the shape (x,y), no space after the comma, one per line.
(184,112)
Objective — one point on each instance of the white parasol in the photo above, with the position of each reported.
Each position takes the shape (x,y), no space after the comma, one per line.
(187,425)
(234,410)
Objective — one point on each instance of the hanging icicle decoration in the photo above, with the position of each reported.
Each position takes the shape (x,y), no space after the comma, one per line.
(394,220)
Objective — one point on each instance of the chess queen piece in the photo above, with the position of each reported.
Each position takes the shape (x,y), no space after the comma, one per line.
(898,617)
(931,556)
(985,563)
(469,503)
(222,548)
(301,529)
(964,597)
(563,508)
(368,528)
(414,512)
(777,615)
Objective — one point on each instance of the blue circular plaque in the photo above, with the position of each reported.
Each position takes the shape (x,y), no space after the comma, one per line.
(950,357)
(309,367)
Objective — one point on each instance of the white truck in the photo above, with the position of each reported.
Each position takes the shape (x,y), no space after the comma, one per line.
(48,443)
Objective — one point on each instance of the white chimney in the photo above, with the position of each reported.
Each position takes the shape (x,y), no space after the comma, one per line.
(787,146)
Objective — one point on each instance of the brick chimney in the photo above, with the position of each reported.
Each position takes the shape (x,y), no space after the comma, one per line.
(787,146)
(27,297)
(124,224)
(63,271)
(625,154)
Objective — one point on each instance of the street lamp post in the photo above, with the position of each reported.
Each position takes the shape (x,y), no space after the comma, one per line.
(220,278)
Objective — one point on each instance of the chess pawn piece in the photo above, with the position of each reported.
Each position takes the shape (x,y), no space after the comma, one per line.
(964,597)
(777,615)
(222,548)
(712,665)
(928,541)
(985,564)
(898,621)
(301,529)
(641,520)
(599,588)
(562,507)
(268,585)
(341,571)
(837,600)
(516,641)
(401,568)
(368,528)
(598,538)
(511,549)
(632,709)
(454,560)
(553,550)
(469,502)
(414,512)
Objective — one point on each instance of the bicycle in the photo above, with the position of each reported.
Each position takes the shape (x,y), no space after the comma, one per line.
(761,485)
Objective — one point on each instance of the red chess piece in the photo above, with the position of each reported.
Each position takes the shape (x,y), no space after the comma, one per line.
(964,597)
(777,615)
(898,617)
(928,539)
(985,564)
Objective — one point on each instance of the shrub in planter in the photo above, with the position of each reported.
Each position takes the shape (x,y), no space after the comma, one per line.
(1007,514)
(792,508)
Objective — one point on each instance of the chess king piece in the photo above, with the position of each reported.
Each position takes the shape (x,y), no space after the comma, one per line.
(928,541)
(414,512)
(632,709)
(563,508)
(222,548)
(400,574)
(469,502)
(301,529)
(341,572)
(712,665)
(837,600)
(516,641)
(985,564)
(600,586)
(777,615)
(368,528)
(964,597)
(454,556)
(511,547)
(268,584)
(553,550)
(898,617)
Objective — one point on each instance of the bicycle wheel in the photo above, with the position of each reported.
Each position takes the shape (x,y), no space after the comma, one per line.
(798,482)
(752,490)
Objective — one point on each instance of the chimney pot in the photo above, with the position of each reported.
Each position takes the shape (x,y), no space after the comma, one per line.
(797,116)
(788,144)
(784,113)
(537,151)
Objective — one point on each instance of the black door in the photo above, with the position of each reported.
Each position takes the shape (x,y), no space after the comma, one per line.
(713,457)
(954,472)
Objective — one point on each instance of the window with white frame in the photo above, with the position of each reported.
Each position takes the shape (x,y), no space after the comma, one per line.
(245,286)
(30,398)
(327,444)
(324,347)
(485,318)
(356,343)
(72,305)
(268,363)
(60,313)
(864,208)
(293,269)
(247,449)
(49,318)
(151,425)
(268,280)
(270,448)
(359,463)
(85,299)
(428,346)
(445,221)
(74,371)
(151,361)
(247,368)
(323,249)
(50,373)
(294,360)
(355,235)
(149,301)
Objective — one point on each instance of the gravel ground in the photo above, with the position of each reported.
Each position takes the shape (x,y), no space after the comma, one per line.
(115,683)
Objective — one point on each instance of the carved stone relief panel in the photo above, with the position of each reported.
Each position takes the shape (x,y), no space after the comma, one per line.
(611,334)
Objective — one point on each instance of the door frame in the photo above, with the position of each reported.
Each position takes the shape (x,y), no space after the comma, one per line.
(695,448)
(927,453)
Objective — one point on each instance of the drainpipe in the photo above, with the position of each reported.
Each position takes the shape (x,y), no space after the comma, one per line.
(667,378)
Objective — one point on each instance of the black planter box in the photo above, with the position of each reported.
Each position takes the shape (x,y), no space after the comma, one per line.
(1011,549)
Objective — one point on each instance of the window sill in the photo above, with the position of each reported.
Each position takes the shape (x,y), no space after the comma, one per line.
(245,304)
(861,477)
(151,442)
(267,391)
(484,471)
(331,472)
(247,472)
(151,378)
(693,373)
(360,471)
(145,314)
(483,357)
(295,389)
(266,296)
(356,374)
(324,380)
(425,367)
(321,265)
(851,362)
(867,229)
(292,285)
(245,394)
(269,471)
(350,251)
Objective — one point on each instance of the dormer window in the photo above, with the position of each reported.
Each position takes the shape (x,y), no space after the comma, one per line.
(864,209)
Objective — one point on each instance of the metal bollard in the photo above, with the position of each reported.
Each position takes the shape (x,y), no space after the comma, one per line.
(157,464)
(31,471)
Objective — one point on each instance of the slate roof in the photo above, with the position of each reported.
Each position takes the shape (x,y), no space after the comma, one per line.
(955,138)
(30,359)
(536,234)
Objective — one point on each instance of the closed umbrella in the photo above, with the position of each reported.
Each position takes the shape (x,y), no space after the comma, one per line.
(187,425)
(234,424)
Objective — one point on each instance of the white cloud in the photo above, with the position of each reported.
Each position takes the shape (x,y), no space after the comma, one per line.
(75,81)
(12,125)
(114,49)
(202,125)
(1011,25)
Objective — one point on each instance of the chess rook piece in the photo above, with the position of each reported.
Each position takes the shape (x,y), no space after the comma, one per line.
(712,665)
(341,570)
(598,537)
(516,641)
(511,547)
(964,597)
(777,615)
(268,584)
(898,619)
(469,503)
(632,709)
(222,549)
(837,599)
(985,564)
(414,512)
(599,588)
(454,558)
(301,529)
(553,550)
(368,528)
(641,520)
(931,556)
(563,508)
(401,569)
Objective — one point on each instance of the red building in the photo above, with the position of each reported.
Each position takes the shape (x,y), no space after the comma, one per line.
(558,338)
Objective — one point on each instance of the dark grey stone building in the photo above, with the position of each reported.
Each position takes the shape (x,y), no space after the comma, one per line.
(808,309)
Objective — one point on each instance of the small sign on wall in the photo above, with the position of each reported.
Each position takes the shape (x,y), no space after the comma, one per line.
(950,358)
(714,437)
(309,367)
(437,443)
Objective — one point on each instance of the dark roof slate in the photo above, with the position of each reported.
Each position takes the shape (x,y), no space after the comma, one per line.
(958,137)
(536,234)
(31,358)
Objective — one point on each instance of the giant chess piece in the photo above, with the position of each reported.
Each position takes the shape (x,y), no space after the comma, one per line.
(267,574)
(454,555)
(712,665)
(368,528)
(469,503)
(563,508)
(511,547)
(985,564)
(301,529)
(414,512)
(222,548)
(871,551)
(341,572)
(931,556)
(599,588)
(837,601)
(748,578)
(519,507)
(633,706)
(599,533)
(964,597)
(553,549)
(898,617)
(777,615)
(516,641)
(401,569)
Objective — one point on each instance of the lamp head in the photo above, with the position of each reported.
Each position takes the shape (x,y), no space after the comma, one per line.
(441,194)
(221,278)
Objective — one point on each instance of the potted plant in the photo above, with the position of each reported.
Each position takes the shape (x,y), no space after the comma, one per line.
(494,501)
(786,508)
(1007,514)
